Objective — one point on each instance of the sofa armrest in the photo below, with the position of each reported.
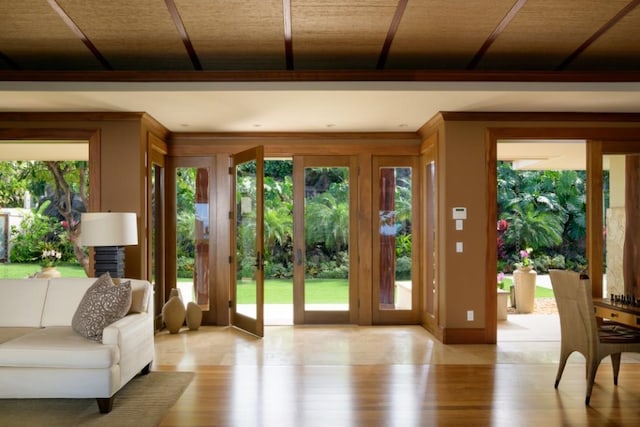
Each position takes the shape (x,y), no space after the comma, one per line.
(133,335)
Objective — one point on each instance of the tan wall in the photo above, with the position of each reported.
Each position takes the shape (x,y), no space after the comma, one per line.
(464,172)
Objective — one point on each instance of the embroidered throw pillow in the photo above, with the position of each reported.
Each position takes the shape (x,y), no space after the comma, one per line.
(102,304)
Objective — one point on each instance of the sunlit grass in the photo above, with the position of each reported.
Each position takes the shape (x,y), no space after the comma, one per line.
(541,291)
(20,270)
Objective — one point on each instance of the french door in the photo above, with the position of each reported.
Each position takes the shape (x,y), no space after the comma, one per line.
(325,247)
(247,241)
(396,240)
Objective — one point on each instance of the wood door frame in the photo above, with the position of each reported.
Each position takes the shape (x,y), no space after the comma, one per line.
(239,320)
(595,138)
(157,155)
(209,317)
(397,316)
(429,216)
(302,316)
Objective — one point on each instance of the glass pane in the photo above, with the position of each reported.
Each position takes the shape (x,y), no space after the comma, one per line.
(326,219)
(395,238)
(246,204)
(156,224)
(192,230)
(430,233)
(614,183)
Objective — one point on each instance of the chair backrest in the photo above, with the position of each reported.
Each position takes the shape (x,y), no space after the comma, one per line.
(578,327)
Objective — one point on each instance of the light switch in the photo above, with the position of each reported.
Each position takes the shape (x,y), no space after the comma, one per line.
(459,247)
(459,224)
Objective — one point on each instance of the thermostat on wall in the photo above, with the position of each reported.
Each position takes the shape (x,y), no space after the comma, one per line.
(459,213)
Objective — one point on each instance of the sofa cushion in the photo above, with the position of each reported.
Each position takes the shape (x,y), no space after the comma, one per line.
(102,304)
(21,302)
(7,334)
(57,347)
(62,300)
(140,290)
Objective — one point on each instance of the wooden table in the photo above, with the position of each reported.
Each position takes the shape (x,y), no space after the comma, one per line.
(621,313)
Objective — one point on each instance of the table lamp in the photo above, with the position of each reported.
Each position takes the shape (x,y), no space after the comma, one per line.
(108,233)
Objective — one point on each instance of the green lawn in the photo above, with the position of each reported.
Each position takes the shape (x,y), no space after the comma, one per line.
(20,271)
(541,292)
(317,291)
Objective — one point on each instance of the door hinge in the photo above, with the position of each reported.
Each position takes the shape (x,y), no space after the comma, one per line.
(230,170)
(230,259)
(230,304)
(230,215)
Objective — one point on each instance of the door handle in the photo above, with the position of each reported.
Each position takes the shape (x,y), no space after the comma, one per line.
(299,257)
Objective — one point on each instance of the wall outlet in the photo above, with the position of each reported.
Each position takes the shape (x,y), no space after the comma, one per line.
(470,315)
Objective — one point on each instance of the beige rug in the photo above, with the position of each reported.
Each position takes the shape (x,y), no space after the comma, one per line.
(143,402)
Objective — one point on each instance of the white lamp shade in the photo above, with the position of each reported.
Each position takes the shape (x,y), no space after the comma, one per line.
(108,229)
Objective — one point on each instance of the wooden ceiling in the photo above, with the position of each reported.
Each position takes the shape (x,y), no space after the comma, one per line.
(316,35)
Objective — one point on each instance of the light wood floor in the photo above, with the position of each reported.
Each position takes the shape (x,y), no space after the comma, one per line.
(387,376)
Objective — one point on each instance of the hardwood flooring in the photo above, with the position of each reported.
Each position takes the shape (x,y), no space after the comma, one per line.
(386,376)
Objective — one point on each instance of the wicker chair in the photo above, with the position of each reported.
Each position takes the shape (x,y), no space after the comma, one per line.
(580,332)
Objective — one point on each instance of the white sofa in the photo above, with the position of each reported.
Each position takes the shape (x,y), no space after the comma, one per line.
(41,356)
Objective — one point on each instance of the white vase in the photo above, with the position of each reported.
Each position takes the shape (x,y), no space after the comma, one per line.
(173,314)
(524,280)
(194,316)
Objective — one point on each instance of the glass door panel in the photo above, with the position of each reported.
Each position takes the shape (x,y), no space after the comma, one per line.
(157,234)
(192,235)
(326,219)
(247,242)
(394,231)
(429,254)
(394,285)
(324,240)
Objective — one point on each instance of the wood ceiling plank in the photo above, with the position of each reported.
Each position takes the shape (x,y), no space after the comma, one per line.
(441,34)
(545,32)
(342,35)
(132,35)
(618,49)
(238,35)
(34,37)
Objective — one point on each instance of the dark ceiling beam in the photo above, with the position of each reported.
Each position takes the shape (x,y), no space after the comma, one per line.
(10,62)
(184,36)
(78,32)
(495,34)
(288,33)
(606,27)
(391,34)
(321,76)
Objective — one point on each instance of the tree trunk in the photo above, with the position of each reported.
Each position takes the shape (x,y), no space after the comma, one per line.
(64,197)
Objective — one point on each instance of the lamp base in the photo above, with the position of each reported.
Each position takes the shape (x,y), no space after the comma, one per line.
(109,259)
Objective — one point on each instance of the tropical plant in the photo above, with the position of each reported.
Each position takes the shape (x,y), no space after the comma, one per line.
(544,210)
(529,227)
(36,230)
(327,218)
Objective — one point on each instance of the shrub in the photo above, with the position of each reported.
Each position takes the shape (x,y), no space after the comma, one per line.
(186,267)
(277,271)
(35,230)
(403,268)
